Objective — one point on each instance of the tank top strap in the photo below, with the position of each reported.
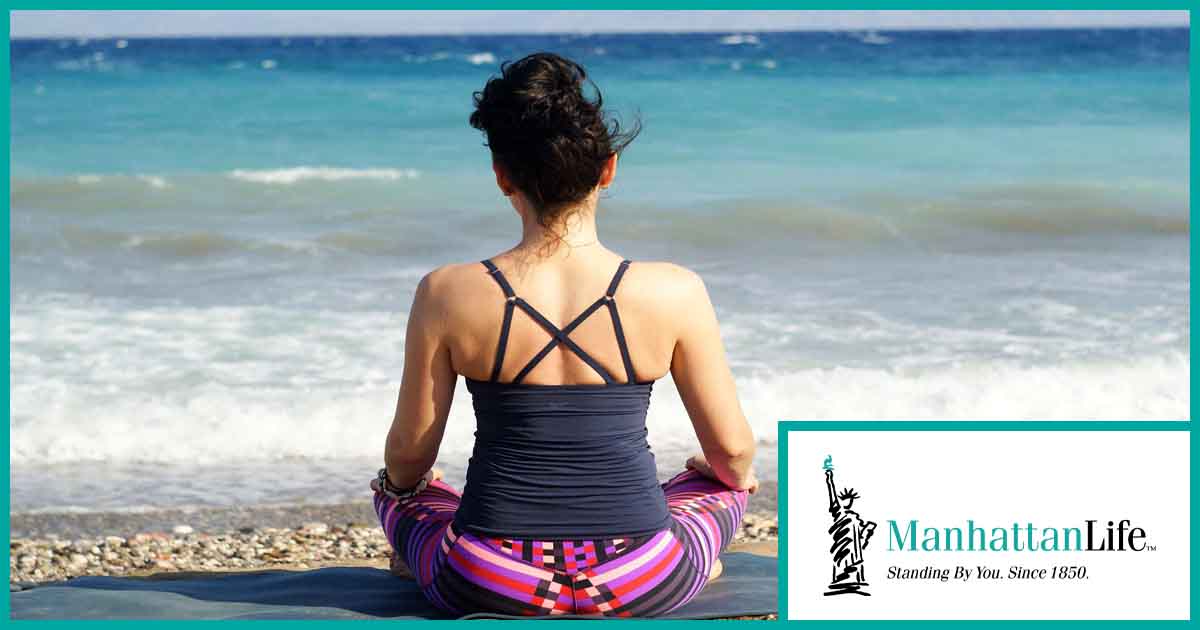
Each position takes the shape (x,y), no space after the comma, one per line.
(494,271)
(616,280)
(618,330)
(509,303)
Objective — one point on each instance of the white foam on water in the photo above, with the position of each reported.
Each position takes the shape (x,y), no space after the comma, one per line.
(1139,388)
(73,65)
(287,176)
(225,445)
(243,393)
(739,39)
(155,181)
(482,58)
(308,386)
(871,37)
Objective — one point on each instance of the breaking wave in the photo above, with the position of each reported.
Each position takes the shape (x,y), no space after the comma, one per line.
(285,176)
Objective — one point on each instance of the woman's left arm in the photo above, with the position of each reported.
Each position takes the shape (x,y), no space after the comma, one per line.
(426,389)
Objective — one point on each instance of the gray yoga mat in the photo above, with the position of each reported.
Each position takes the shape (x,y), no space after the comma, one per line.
(747,587)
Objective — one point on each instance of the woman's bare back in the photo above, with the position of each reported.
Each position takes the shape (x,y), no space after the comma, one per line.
(649,300)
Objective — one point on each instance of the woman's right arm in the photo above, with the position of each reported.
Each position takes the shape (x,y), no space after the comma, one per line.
(705,383)
(426,388)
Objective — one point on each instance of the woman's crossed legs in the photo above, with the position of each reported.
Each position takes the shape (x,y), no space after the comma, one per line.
(463,573)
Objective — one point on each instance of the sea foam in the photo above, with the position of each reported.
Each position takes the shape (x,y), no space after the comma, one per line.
(286,176)
(739,39)
(310,416)
(202,395)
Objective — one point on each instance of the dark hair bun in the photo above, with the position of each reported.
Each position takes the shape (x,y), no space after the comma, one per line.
(550,138)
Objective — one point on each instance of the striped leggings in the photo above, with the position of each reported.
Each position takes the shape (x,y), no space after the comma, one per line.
(462,573)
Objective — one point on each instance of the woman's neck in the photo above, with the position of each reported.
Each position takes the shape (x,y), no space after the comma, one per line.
(576,229)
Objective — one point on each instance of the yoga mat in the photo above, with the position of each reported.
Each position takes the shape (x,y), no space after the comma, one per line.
(747,587)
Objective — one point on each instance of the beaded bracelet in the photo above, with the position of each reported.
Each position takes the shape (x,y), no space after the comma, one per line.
(399,494)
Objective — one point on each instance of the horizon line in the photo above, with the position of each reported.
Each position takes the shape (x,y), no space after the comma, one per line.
(700,31)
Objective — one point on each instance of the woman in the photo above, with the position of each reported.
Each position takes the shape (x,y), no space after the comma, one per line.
(562,511)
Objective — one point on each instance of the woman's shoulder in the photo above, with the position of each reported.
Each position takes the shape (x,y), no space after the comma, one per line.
(455,280)
(657,282)
(665,281)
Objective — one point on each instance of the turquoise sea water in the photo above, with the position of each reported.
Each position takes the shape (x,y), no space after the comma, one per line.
(215,241)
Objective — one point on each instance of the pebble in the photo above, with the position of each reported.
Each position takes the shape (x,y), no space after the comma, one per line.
(314,529)
(33,560)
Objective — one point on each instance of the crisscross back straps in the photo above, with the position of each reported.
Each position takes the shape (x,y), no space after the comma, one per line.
(559,335)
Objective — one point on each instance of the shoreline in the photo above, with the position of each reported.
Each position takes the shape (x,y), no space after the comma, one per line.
(219,520)
(47,547)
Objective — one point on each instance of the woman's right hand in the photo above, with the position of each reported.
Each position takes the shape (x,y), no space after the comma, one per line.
(431,475)
(700,464)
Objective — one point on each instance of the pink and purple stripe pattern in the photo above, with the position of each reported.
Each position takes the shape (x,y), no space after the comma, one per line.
(463,573)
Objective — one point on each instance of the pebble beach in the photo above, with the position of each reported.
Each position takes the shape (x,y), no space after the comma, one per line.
(53,547)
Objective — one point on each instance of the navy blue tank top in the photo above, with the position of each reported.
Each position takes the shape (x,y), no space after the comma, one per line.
(561,461)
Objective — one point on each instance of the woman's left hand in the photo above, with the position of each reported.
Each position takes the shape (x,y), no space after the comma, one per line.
(700,464)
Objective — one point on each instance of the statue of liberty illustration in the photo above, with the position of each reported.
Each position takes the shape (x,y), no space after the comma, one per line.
(850,536)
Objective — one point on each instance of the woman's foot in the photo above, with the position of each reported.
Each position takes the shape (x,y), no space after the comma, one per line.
(716,570)
(400,569)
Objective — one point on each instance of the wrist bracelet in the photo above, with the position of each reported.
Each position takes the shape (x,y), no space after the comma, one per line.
(386,487)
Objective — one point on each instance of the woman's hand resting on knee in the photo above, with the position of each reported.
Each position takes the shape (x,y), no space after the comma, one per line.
(699,464)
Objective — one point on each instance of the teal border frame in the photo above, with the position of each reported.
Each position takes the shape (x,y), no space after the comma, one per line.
(788,426)
(604,5)
(783,427)
(7,122)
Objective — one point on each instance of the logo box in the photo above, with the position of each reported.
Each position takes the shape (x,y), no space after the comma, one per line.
(985,520)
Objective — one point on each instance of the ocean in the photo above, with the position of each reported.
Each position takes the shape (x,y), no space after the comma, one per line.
(214,242)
